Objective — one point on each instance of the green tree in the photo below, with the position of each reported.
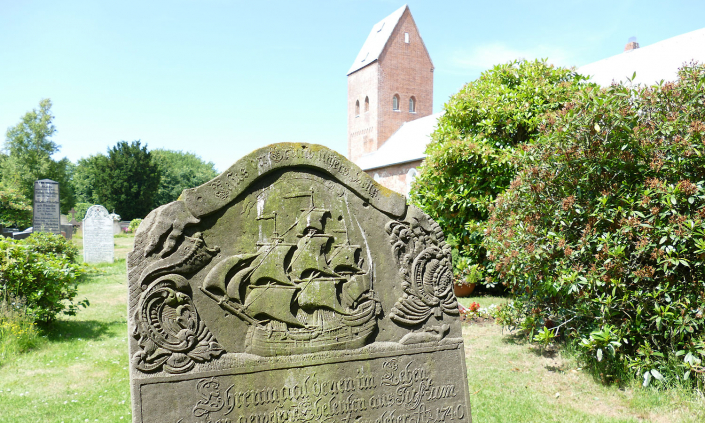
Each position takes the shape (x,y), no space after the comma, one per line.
(471,157)
(29,149)
(180,171)
(15,209)
(83,178)
(126,180)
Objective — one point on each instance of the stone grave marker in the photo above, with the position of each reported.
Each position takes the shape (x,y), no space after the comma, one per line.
(46,214)
(98,239)
(293,288)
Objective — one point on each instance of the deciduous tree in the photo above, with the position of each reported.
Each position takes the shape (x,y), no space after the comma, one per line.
(180,171)
(29,149)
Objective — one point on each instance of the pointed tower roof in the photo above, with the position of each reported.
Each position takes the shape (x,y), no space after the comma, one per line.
(377,39)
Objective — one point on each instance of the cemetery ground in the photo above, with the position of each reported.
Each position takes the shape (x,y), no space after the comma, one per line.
(78,373)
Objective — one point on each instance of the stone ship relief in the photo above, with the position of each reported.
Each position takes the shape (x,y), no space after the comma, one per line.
(302,290)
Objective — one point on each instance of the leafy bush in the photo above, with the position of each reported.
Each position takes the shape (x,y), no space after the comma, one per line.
(42,272)
(601,236)
(48,243)
(470,159)
(134,224)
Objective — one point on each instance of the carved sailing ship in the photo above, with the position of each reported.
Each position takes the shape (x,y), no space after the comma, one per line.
(298,297)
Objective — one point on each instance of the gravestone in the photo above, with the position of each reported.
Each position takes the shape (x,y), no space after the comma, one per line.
(293,288)
(98,240)
(46,214)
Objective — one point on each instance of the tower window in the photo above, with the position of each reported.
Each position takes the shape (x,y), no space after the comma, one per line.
(395,102)
(406,37)
(357,108)
(412,105)
(367,104)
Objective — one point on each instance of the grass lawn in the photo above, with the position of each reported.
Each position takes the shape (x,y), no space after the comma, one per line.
(79,372)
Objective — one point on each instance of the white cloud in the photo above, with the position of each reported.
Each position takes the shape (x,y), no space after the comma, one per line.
(486,56)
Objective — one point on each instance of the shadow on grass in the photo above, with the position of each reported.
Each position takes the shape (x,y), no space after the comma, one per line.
(519,338)
(66,331)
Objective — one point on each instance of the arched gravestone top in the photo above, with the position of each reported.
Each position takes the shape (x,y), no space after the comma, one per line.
(98,240)
(293,288)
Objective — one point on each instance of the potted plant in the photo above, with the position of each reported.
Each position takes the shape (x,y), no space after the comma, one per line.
(465,277)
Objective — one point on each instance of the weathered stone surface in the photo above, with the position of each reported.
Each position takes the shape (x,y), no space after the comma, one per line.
(98,240)
(293,288)
(46,214)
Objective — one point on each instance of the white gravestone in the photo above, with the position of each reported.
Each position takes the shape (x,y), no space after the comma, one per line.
(98,243)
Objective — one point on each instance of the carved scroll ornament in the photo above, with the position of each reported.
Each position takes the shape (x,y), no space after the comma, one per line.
(169,332)
(426,268)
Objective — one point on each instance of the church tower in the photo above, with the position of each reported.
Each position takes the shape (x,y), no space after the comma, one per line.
(390,82)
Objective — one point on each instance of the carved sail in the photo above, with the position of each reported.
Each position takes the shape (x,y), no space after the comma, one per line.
(318,293)
(270,265)
(273,301)
(343,259)
(309,257)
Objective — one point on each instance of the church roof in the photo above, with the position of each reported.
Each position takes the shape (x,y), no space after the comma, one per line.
(377,39)
(652,63)
(408,144)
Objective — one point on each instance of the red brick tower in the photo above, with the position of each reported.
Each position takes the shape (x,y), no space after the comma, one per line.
(390,82)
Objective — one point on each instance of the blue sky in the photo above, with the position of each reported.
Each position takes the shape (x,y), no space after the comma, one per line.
(221,78)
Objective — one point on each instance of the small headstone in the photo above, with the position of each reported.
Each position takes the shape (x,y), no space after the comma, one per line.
(98,241)
(116,223)
(67,231)
(293,288)
(23,235)
(46,207)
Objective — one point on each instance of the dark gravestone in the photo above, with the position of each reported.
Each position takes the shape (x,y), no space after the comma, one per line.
(293,288)
(46,214)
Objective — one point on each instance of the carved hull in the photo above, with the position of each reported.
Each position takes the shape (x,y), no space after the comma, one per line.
(350,332)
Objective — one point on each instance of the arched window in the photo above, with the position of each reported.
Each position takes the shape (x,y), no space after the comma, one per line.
(412,105)
(357,108)
(395,102)
(367,104)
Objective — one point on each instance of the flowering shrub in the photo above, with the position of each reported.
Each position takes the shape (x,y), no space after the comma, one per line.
(474,310)
(601,236)
(134,224)
(470,159)
(42,272)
